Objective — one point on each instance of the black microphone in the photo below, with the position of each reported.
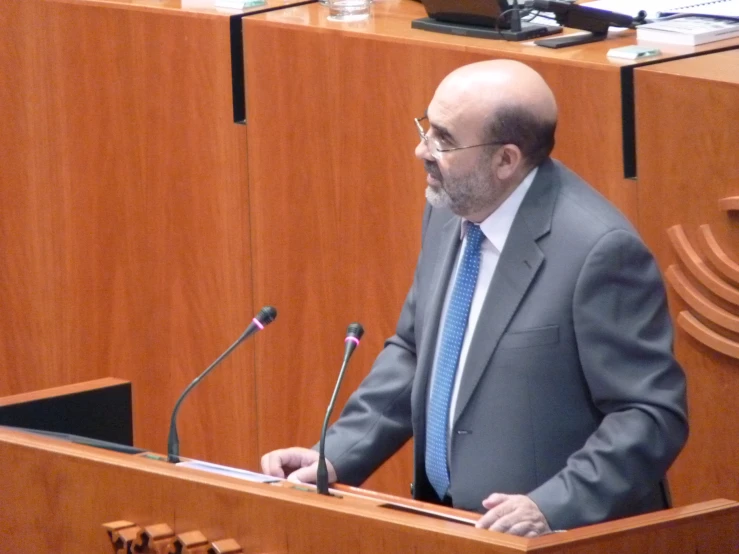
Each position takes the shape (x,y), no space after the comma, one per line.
(515,17)
(265,316)
(353,335)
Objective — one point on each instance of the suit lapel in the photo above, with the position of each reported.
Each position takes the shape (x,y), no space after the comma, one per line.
(448,250)
(518,265)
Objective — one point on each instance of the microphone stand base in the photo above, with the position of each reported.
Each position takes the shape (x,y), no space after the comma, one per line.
(571,40)
(332,494)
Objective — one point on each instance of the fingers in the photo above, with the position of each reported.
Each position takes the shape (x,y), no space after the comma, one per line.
(513,525)
(494,500)
(280,463)
(309,473)
(304,474)
(513,514)
(524,529)
(498,506)
(272,465)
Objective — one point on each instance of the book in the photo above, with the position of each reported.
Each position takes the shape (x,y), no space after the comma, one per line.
(689,30)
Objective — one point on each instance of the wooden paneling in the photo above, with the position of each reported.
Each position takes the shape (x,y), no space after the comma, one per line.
(124,225)
(688,163)
(586,82)
(61,494)
(336,194)
(336,203)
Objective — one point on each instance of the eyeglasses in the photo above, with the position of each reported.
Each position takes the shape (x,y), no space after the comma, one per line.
(435,149)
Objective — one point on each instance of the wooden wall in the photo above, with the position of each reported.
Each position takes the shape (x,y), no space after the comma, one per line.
(123,228)
(689,214)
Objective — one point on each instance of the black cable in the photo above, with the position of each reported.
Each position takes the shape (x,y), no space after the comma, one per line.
(524,13)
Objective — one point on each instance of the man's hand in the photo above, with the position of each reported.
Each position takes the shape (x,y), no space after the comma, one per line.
(297,464)
(514,514)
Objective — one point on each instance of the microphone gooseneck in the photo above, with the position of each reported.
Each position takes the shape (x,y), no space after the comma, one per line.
(353,336)
(265,316)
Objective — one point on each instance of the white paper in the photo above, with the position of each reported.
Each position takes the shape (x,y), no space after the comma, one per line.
(229,471)
(655,8)
(633,7)
(727,8)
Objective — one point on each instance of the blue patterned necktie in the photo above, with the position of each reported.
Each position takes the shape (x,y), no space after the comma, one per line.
(452,336)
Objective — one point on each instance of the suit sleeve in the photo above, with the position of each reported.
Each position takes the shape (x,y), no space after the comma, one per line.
(376,421)
(624,338)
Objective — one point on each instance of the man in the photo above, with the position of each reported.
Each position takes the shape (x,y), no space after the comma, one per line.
(532,360)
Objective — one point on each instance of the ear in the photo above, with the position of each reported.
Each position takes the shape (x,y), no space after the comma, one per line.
(507,161)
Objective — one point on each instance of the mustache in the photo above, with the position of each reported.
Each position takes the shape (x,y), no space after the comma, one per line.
(432,169)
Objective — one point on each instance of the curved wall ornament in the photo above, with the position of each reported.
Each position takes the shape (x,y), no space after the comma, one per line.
(729,204)
(722,282)
(698,267)
(728,268)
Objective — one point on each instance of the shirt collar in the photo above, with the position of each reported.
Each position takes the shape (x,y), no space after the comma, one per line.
(498,224)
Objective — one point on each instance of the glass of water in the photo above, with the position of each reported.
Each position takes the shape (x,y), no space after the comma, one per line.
(348,10)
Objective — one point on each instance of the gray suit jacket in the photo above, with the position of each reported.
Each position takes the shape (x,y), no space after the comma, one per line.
(571,393)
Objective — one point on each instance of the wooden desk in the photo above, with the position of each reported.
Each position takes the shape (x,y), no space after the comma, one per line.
(60,495)
(688,193)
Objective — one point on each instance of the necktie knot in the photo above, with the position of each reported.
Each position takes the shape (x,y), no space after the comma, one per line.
(474,237)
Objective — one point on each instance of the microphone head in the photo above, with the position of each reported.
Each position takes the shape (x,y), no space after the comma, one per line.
(266,315)
(355,331)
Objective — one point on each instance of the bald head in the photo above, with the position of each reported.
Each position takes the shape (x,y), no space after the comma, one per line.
(496,83)
(508,100)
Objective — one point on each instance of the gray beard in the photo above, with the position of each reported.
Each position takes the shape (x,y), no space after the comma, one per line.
(437,197)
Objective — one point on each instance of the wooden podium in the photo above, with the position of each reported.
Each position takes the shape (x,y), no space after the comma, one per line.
(57,496)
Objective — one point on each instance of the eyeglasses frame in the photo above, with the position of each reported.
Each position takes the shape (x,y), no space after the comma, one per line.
(424,137)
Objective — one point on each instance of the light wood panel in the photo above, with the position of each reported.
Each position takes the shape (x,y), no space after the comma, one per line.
(687,166)
(336,193)
(65,390)
(185,7)
(123,226)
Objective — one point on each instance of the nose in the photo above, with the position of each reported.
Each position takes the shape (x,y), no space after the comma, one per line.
(422,151)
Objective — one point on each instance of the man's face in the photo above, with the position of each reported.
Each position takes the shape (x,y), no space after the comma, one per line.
(461,180)
(464,186)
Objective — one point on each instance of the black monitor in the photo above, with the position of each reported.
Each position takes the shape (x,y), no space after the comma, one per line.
(479,18)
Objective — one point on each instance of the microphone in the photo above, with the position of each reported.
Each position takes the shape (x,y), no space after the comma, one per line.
(515,17)
(353,335)
(265,316)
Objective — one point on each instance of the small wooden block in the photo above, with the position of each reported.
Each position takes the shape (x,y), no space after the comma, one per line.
(115,525)
(190,542)
(153,539)
(225,546)
(123,538)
